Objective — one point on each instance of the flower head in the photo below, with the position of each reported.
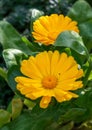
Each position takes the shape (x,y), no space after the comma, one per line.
(49,74)
(47,28)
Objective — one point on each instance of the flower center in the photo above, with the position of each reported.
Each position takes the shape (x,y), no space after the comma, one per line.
(49,82)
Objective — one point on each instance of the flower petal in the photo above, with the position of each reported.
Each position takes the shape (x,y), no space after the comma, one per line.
(61,61)
(29,68)
(28,82)
(71,73)
(59,95)
(54,61)
(43,63)
(69,84)
(45,101)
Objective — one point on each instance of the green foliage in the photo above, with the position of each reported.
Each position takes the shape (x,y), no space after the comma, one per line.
(4,117)
(72,40)
(22,113)
(39,119)
(12,73)
(10,38)
(55,116)
(13,111)
(3,73)
(81,12)
(17,106)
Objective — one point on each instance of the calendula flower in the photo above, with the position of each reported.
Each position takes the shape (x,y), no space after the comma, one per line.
(47,28)
(49,74)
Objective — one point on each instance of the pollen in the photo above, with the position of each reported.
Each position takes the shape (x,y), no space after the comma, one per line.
(49,82)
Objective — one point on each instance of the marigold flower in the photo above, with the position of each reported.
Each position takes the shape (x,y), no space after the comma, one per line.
(47,28)
(49,74)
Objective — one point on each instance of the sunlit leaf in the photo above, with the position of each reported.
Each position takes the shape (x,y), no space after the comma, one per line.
(72,40)
(13,56)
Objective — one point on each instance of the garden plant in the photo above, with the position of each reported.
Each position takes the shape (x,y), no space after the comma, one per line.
(49,70)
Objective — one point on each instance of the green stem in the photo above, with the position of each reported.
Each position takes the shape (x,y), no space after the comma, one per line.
(85,80)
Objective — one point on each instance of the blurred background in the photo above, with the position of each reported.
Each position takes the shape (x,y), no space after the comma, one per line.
(18,13)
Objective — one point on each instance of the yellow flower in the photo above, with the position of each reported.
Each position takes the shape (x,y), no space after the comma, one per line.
(49,74)
(47,28)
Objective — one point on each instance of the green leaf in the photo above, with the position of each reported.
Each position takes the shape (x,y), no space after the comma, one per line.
(67,126)
(35,14)
(3,73)
(85,32)
(39,119)
(13,56)
(73,114)
(34,46)
(13,72)
(5,128)
(90,76)
(84,101)
(17,106)
(26,121)
(81,12)
(4,117)
(10,38)
(72,40)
